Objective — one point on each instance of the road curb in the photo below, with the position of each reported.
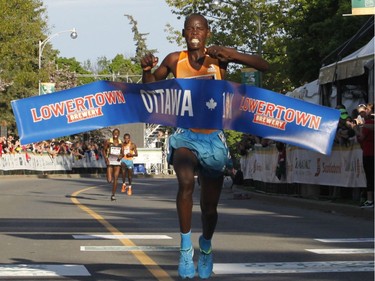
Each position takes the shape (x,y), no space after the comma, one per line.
(323,206)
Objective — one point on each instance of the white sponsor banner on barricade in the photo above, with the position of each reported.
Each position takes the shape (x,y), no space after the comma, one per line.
(260,164)
(342,168)
(45,162)
(29,161)
(264,164)
(149,156)
(146,157)
(89,161)
(246,163)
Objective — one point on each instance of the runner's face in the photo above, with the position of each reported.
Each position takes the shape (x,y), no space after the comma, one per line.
(115,134)
(126,139)
(196,32)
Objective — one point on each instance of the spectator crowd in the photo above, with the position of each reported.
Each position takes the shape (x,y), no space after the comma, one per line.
(350,125)
(79,149)
(357,127)
(348,132)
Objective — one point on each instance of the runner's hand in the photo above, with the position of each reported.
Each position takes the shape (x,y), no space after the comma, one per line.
(221,53)
(148,62)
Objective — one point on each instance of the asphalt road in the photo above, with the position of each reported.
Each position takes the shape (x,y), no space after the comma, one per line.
(66,228)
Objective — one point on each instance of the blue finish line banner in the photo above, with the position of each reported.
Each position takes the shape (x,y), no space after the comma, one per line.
(186,103)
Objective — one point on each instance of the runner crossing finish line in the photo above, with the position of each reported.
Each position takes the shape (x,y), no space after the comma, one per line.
(186,103)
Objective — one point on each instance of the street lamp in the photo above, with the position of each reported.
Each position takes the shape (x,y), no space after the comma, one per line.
(42,44)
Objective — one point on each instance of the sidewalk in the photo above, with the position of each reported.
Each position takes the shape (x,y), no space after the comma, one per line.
(326,206)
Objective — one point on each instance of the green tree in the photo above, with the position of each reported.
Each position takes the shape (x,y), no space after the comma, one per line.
(103,65)
(233,138)
(245,25)
(123,66)
(293,35)
(22,24)
(140,39)
(314,29)
(117,69)
(68,73)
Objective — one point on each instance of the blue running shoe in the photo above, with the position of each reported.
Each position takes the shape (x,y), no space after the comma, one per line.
(186,267)
(205,264)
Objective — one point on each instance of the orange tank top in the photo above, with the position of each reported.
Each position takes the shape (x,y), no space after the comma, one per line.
(128,149)
(210,70)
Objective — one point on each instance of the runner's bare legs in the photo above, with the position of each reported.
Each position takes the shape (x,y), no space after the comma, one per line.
(185,164)
(116,173)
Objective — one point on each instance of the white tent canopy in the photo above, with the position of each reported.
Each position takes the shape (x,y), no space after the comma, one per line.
(308,92)
(350,66)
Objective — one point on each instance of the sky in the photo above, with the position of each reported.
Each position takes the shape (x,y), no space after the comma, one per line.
(103,30)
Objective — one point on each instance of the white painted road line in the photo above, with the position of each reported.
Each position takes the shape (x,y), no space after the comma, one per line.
(129,248)
(41,270)
(341,251)
(347,240)
(117,237)
(293,267)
